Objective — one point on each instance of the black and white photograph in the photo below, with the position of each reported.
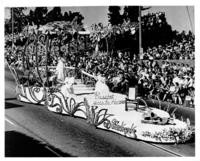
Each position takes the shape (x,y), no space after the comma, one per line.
(99,81)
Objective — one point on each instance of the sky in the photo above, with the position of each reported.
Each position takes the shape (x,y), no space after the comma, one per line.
(177,16)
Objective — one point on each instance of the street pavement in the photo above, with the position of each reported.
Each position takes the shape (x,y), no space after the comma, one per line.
(61,135)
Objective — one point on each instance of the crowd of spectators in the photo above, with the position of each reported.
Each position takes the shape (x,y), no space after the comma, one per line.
(182,49)
(169,81)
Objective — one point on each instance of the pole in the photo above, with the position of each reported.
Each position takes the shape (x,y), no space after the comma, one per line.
(47,54)
(46,87)
(140,32)
(191,25)
(77,42)
(12,11)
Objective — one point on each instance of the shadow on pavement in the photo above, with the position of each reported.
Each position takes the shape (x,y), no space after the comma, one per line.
(9,99)
(20,145)
(11,105)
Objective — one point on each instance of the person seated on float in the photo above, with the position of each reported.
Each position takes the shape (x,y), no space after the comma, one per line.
(67,87)
(101,86)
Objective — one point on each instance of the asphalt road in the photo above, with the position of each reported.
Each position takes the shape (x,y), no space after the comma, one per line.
(60,135)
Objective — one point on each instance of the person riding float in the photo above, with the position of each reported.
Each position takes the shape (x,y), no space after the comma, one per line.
(60,69)
(61,78)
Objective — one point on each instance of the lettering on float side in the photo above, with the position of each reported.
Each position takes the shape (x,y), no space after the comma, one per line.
(114,124)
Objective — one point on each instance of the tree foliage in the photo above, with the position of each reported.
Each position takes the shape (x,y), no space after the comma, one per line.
(54,15)
(115,18)
(39,16)
(19,20)
(69,16)
(155,30)
(131,13)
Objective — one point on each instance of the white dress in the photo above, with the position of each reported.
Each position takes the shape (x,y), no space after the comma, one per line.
(101,87)
(60,70)
(67,89)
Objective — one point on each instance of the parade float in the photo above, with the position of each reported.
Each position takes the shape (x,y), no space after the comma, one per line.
(103,110)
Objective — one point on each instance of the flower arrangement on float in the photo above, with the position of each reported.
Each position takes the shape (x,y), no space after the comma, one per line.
(172,134)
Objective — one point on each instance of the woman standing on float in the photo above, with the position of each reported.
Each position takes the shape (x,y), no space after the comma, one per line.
(60,69)
(66,82)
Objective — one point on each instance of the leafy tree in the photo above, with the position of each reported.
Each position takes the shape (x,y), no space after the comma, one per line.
(31,17)
(131,13)
(65,16)
(19,18)
(69,16)
(80,18)
(155,30)
(54,15)
(39,16)
(115,18)
(8,26)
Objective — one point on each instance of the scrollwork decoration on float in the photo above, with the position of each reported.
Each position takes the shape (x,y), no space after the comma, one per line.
(58,103)
(95,116)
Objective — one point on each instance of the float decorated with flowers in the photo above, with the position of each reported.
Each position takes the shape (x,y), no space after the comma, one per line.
(100,108)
